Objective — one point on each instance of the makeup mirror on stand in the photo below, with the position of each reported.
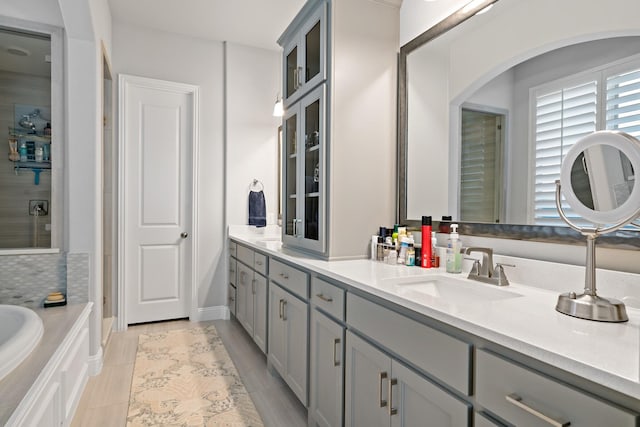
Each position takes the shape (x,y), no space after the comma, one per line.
(597,179)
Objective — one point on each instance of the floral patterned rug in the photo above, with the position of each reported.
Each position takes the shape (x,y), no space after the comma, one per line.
(186,378)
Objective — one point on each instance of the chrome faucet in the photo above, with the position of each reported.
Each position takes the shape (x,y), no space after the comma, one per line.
(484,271)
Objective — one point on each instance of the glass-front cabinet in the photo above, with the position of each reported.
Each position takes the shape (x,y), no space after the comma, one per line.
(304,180)
(304,57)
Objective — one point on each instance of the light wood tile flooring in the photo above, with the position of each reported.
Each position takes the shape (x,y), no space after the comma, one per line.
(105,400)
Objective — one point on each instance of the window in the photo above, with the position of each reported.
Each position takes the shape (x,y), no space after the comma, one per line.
(567,110)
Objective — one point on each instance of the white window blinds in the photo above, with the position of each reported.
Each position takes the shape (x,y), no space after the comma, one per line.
(562,118)
(607,98)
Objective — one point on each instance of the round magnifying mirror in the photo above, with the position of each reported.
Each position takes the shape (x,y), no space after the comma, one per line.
(598,177)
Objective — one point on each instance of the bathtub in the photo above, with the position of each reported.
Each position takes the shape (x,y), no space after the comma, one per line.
(20,332)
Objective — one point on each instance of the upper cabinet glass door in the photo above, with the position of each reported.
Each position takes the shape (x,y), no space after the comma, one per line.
(304,183)
(304,57)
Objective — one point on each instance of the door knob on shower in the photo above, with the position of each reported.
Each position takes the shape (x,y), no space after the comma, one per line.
(184,234)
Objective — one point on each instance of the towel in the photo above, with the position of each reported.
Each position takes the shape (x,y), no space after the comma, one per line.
(257,209)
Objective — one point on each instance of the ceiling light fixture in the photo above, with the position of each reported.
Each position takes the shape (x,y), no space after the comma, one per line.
(18,51)
(475,3)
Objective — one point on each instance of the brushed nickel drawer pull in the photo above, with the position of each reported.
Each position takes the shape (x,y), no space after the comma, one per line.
(517,401)
(392,410)
(381,376)
(280,309)
(336,342)
(323,298)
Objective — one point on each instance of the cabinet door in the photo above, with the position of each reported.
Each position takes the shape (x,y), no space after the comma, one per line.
(260,311)
(304,57)
(244,297)
(48,410)
(277,344)
(367,376)
(295,316)
(413,401)
(326,370)
(304,182)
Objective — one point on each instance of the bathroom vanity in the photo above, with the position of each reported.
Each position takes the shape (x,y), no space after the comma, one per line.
(410,343)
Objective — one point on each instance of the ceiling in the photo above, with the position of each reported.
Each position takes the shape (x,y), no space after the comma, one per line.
(34,48)
(256,23)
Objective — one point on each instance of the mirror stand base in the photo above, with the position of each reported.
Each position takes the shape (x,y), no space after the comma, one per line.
(592,307)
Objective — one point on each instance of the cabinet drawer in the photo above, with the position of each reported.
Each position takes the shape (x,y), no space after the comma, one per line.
(260,263)
(290,278)
(233,248)
(442,356)
(245,255)
(523,397)
(233,265)
(328,297)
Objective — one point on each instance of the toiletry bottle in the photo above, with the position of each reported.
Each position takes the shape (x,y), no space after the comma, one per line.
(404,245)
(435,258)
(411,256)
(454,257)
(380,249)
(23,151)
(426,246)
(374,245)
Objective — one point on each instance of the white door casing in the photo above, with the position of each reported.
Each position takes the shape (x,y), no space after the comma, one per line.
(158,146)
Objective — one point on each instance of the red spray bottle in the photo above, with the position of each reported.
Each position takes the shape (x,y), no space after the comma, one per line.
(426,242)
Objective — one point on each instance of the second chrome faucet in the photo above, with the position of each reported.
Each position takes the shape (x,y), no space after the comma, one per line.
(484,271)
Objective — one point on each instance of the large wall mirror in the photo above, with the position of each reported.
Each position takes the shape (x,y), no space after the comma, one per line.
(30,121)
(490,103)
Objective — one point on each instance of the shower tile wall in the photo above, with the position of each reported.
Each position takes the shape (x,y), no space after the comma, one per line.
(27,279)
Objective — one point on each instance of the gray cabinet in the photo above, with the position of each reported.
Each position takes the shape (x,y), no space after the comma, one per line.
(380,391)
(288,323)
(251,302)
(524,397)
(304,51)
(304,173)
(326,371)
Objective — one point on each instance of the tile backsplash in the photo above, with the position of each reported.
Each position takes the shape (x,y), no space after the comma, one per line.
(27,279)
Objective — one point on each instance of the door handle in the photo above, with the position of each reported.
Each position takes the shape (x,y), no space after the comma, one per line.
(392,410)
(184,234)
(336,342)
(517,401)
(298,75)
(280,310)
(381,376)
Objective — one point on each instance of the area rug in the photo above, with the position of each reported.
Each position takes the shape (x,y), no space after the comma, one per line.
(186,378)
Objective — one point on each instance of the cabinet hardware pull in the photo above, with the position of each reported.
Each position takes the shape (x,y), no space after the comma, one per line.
(323,298)
(392,410)
(284,310)
(336,341)
(295,78)
(253,286)
(381,376)
(299,74)
(280,310)
(259,262)
(295,227)
(517,401)
(231,299)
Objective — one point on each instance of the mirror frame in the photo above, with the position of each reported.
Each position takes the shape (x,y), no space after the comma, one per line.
(621,239)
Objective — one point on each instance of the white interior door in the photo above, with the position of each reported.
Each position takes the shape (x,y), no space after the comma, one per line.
(158,134)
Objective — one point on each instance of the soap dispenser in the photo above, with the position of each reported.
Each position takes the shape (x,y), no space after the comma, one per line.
(454,257)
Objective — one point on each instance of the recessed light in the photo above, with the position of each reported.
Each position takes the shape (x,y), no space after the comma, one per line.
(18,51)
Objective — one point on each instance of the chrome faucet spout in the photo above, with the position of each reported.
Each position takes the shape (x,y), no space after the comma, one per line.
(486,266)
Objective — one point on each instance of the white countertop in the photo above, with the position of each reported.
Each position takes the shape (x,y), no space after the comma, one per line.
(605,353)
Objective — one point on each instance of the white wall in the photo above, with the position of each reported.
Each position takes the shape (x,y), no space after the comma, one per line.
(252,84)
(199,62)
(41,11)
(417,16)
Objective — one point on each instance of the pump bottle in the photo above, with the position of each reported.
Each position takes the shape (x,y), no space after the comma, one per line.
(454,257)
(425,259)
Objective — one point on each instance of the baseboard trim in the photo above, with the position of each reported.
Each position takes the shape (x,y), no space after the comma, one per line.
(95,363)
(203,314)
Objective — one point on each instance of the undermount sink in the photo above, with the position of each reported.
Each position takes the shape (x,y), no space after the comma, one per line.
(451,290)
